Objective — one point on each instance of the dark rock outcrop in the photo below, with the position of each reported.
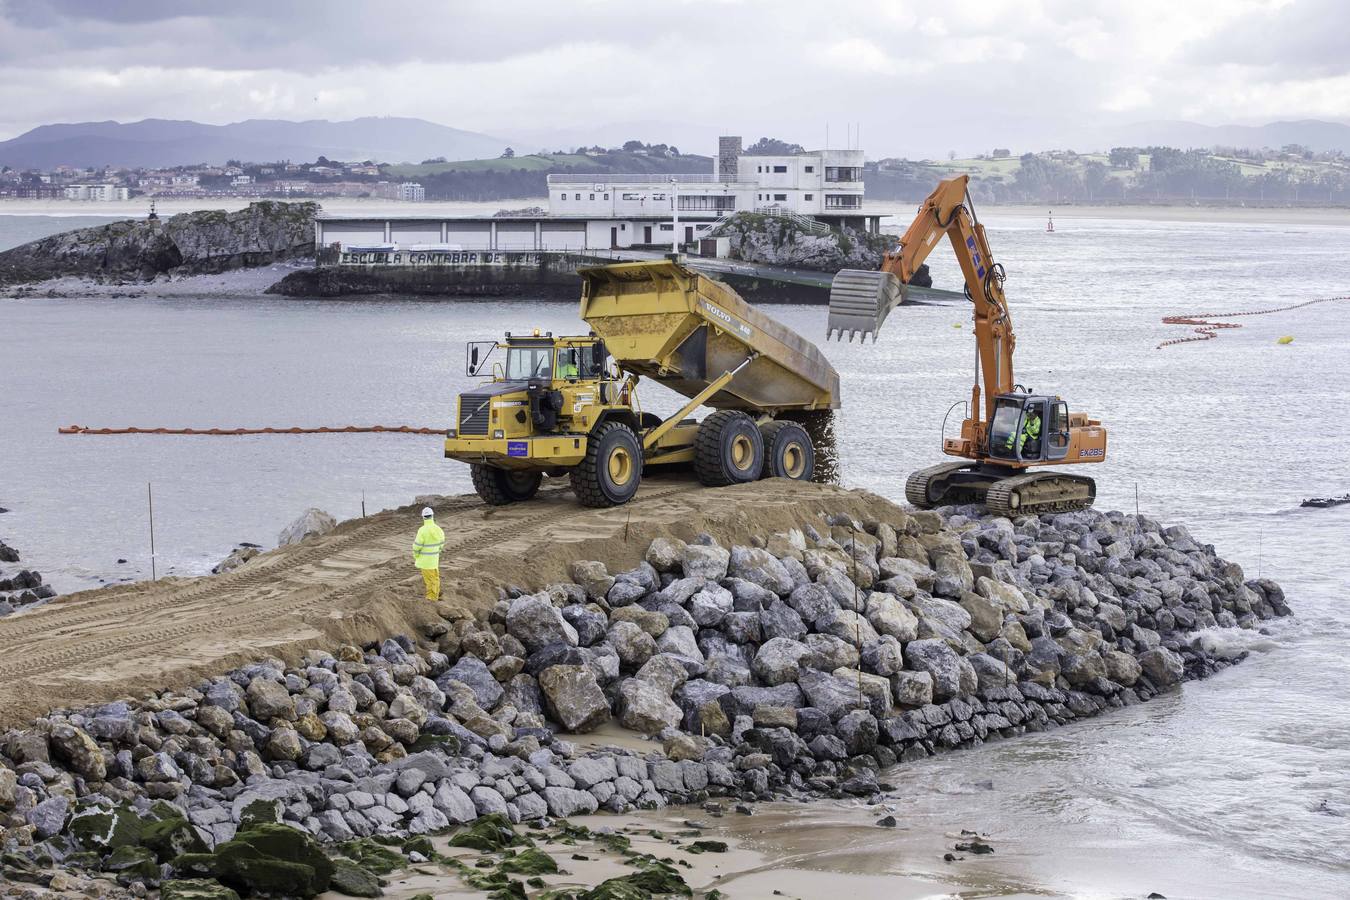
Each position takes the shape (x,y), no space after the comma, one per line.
(193,243)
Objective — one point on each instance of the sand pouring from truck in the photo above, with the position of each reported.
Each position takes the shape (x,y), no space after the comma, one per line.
(1008,439)
(556,406)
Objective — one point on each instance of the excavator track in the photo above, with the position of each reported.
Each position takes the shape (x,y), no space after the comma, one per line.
(920,485)
(1040,492)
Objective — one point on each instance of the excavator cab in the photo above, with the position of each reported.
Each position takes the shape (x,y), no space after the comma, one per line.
(1029,428)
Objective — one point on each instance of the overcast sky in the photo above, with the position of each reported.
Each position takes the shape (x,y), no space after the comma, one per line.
(910,75)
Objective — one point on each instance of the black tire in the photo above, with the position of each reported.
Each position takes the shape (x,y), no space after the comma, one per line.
(788,452)
(498,487)
(612,470)
(728,449)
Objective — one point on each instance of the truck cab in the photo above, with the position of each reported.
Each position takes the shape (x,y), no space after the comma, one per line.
(538,385)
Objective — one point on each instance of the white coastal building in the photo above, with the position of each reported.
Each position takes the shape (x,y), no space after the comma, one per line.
(96,192)
(609,211)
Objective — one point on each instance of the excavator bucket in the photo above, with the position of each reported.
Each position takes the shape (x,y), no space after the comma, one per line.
(860,301)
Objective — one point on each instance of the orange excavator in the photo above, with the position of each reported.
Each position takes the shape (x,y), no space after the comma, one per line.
(1010,433)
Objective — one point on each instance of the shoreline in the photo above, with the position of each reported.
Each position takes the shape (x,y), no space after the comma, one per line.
(492,714)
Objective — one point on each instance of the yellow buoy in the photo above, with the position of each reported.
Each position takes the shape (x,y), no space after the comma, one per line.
(956,324)
(1287,339)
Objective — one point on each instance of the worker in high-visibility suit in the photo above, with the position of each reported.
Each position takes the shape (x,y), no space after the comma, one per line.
(427,553)
(1031,431)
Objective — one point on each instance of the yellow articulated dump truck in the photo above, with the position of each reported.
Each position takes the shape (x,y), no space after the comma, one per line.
(569,405)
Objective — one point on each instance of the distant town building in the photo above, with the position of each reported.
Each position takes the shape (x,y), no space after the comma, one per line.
(412,192)
(96,192)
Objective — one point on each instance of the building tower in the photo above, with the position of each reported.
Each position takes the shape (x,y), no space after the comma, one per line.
(728,158)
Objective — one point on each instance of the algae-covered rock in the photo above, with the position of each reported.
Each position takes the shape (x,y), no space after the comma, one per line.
(268,859)
(654,880)
(529,862)
(489,834)
(132,864)
(353,880)
(102,829)
(171,838)
(196,889)
(374,856)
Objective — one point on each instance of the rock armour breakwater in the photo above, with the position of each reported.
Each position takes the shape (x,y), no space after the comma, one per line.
(805,662)
(193,243)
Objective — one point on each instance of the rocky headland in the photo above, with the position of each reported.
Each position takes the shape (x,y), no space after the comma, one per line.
(207,241)
(811,662)
(784,241)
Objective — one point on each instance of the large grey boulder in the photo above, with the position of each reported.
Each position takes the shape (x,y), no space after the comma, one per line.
(707,561)
(760,567)
(912,689)
(780,620)
(710,606)
(564,802)
(779,660)
(536,622)
(849,627)
(268,699)
(992,673)
(312,523)
(633,645)
(474,674)
(891,617)
(665,671)
(574,698)
(938,660)
(645,707)
(831,694)
(1162,667)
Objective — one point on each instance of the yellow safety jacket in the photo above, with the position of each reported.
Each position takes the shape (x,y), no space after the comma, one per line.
(427,545)
(1031,429)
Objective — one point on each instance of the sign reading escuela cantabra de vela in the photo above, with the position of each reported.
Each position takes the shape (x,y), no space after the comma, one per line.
(438,258)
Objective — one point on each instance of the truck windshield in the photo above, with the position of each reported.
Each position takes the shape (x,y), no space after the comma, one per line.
(524,363)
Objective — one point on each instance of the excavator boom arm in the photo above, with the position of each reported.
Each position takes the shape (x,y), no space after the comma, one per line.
(948,211)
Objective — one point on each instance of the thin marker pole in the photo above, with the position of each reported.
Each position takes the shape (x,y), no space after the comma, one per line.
(1136,499)
(363,504)
(150,497)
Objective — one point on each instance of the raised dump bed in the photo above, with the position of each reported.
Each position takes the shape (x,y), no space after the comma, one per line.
(667,322)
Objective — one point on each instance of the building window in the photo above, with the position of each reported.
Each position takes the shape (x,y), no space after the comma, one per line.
(843,201)
(707,202)
(780,169)
(808,169)
(578,196)
(808,197)
(607,196)
(759,168)
(843,173)
(632,196)
(562,196)
(658,196)
(779,197)
(667,226)
(592,196)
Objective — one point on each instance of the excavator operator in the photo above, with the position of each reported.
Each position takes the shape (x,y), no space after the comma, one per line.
(1031,432)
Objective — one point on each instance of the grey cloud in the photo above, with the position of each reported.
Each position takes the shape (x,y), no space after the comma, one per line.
(1308,37)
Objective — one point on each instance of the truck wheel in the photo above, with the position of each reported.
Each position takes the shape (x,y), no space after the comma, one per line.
(499,487)
(728,449)
(612,470)
(787,451)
